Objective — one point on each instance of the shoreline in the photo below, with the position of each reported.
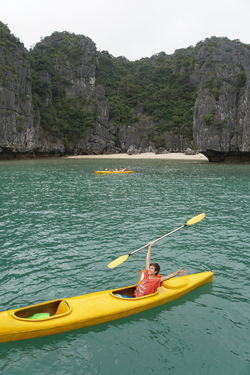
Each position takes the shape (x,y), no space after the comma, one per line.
(145,155)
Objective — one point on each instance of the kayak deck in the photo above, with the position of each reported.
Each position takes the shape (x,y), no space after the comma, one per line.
(113,172)
(77,312)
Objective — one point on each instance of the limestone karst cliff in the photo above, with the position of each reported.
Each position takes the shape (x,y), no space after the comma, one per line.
(65,97)
(221,127)
(17,131)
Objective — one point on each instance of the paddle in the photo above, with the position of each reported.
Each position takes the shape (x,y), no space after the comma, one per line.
(122,258)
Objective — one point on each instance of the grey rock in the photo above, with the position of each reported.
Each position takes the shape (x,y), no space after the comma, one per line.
(189,151)
(161,150)
(175,142)
(227,132)
(18,134)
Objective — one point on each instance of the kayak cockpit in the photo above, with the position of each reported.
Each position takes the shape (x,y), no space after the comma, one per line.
(129,292)
(43,311)
(124,292)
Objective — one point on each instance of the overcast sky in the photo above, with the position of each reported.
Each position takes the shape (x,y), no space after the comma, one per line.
(130,28)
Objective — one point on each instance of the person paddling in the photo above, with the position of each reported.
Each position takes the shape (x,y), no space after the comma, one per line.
(150,279)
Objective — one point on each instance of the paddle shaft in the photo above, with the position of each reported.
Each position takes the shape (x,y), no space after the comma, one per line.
(122,258)
(158,239)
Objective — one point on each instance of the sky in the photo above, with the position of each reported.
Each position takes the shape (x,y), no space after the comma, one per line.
(130,28)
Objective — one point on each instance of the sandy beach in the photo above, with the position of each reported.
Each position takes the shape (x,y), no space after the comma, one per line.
(146,155)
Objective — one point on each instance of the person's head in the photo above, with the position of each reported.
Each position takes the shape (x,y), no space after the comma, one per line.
(156,267)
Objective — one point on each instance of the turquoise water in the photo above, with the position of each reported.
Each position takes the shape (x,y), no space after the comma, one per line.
(61,224)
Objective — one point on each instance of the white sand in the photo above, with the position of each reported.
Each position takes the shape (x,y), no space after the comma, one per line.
(146,155)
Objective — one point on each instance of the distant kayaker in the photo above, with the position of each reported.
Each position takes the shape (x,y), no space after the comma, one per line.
(150,279)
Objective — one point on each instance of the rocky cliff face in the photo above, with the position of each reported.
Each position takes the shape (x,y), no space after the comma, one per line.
(17,131)
(66,112)
(221,125)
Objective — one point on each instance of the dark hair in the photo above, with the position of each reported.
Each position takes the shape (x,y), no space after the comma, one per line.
(156,266)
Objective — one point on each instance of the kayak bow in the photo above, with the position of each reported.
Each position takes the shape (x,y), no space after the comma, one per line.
(72,313)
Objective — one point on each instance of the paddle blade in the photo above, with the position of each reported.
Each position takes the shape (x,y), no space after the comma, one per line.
(195,219)
(118,261)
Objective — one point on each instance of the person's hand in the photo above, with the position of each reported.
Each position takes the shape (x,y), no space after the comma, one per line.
(181,272)
(150,244)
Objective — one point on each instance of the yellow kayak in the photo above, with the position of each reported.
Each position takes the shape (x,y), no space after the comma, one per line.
(72,313)
(113,172)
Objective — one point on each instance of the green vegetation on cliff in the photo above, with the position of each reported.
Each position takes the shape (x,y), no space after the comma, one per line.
(7,39)
(161,86)
(9,45)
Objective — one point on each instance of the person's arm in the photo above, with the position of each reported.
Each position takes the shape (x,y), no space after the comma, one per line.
(180,272)
(148,255)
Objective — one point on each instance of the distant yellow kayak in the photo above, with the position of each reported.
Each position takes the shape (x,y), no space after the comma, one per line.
(68,314)
(113,172)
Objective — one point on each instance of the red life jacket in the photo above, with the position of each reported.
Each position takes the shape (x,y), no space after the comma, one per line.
(142,277)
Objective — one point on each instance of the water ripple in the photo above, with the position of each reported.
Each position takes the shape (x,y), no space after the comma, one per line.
(61,225)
